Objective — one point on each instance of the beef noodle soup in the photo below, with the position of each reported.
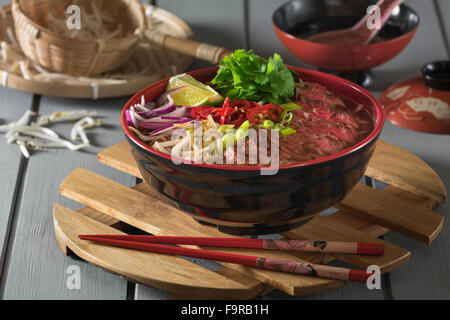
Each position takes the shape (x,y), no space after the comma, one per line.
(225,121)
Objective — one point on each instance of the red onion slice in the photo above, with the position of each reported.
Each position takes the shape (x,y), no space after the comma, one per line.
(129,118)
(162,98)
(156,112)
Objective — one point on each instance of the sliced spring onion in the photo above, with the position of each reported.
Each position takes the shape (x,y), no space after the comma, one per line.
(228,140)
(242,132)
(290,106)
(286,118)
(223,128)
(287,131)
(268,124)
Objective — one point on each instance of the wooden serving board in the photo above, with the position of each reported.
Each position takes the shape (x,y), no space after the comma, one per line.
(364,215)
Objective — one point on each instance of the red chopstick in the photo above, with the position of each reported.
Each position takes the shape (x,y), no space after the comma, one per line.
(375,249)
(322,271)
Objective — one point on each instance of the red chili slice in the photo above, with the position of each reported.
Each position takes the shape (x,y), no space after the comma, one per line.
(241,104)
(226,111)
(201,113)
(239,108)
(266,112)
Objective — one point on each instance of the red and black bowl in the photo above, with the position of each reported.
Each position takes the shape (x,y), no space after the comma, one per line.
(295,21)
(238,199)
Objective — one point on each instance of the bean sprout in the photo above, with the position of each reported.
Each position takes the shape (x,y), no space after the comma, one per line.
(36,137)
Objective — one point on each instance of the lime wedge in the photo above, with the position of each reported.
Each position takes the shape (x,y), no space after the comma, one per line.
(194,92)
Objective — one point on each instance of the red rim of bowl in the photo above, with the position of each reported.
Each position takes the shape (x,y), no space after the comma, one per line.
(292,37)
(287,34)
(373,135)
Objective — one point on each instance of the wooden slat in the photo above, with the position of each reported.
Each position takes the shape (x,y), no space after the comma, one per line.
(98,216)
(344,217)
(393,213)
(119,156)
(325,229)
(132,207)
(402,169)
(165,272)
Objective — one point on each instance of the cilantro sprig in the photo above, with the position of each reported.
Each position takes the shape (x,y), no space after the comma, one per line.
(245,75)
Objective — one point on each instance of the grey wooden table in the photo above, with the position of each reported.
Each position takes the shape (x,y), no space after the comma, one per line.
(31,263)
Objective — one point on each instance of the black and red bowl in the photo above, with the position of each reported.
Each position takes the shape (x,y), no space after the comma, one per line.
(295,21)
(238,199)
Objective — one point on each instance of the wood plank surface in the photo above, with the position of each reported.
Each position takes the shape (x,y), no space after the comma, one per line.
(36,268)
(426,275)
(13,105)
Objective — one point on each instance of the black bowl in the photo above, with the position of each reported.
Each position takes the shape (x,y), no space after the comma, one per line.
(239,199)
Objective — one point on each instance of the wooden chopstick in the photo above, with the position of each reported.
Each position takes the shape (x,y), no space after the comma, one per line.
(297,245)
(318,270)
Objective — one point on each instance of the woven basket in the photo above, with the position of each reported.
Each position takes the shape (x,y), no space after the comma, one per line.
(92,57)
(78,57)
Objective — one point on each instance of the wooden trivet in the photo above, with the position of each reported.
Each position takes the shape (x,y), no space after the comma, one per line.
(364,215)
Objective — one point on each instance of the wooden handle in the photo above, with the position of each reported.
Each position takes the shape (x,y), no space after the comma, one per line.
(193,48)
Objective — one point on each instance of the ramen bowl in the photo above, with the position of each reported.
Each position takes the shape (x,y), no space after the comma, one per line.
(295,21)
(251,199)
